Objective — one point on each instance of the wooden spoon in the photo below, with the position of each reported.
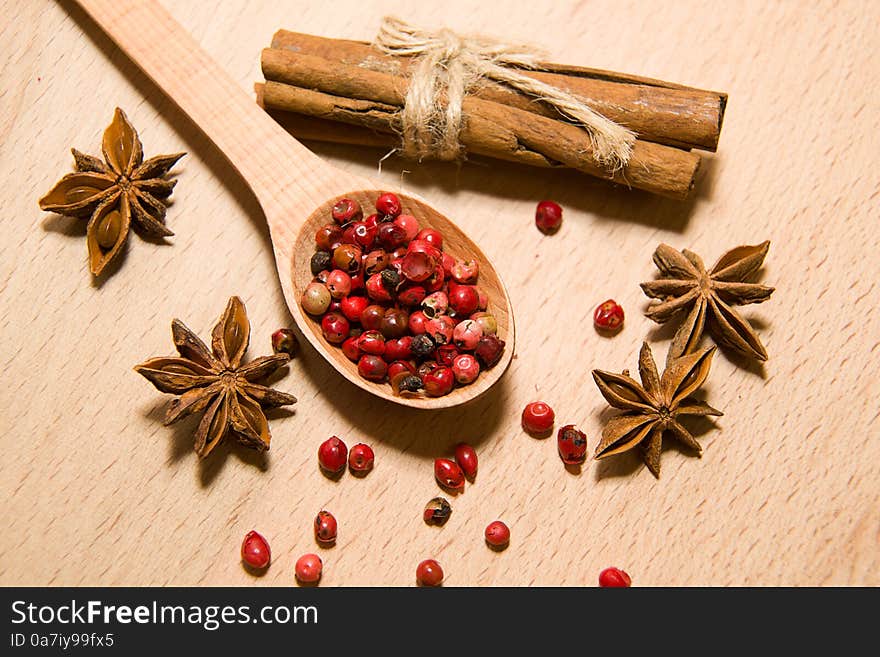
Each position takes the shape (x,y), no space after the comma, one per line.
(295,188)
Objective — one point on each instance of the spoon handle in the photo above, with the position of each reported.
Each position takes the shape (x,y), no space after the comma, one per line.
(269,159)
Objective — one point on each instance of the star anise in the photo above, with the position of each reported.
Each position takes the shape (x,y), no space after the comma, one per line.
(113,193)
(217,384)
(653,407)
(708,296)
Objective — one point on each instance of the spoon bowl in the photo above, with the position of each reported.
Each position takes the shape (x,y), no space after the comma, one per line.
(296,189)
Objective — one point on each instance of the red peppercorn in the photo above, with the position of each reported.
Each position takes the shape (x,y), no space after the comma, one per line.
(347,257)
(435,304)
(437,511)
(429,573)
(432,237)
(346,210)
(416,323)
(391,236)
(364,234)
(388,205)
(328,237)
(489,350)
(371,317)
(548,217)
(332,455)
(308,568)
(497,534)
(360,458)
(467,334)
(538,418)
(464,300)
(572,445)
(325,527)
(399,349)
(448,474)
(339,284)
(398,367)
(409,224)
(394,323)
(351,350)
(466,457)
(375,261)
(439,381)
(372,342)
(421,246)
(417,266)
(445,354)
(352,307)
(412,295)
(608,316)
(440,329)
(284,342)
(466,272)
(466,369)
(614,578)
(335,327)
(376,289)
(372,368)
(255,551)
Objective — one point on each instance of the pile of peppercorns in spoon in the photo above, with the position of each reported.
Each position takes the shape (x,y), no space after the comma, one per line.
(399,306)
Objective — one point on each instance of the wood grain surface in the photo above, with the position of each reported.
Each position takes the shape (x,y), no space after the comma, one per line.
(97,491)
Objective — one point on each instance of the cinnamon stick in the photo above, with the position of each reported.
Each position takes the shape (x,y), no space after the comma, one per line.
(329,90)
(657,111)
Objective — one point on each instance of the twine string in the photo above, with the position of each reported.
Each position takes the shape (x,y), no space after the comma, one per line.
(448,65)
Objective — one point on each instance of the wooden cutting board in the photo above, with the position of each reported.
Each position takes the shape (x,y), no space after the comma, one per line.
(97,491)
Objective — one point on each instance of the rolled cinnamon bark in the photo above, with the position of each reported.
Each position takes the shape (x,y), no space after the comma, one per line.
(330,90)
(657,111)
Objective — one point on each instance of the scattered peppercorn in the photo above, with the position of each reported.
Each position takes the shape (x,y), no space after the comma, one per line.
(614,578)
(325,528)
(255,551)
(538,418)
(497,535)
(572,445)
(448,474)
(429,573)
(548,217)
(466,457)
(284,342)
(608,316)
(332,455)
(360,458)
(437,511)
(309,568)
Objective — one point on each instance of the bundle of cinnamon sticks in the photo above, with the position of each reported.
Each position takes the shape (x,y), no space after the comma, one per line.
(349,92)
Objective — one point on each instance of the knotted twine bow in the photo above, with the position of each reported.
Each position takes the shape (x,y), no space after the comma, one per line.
(449,64)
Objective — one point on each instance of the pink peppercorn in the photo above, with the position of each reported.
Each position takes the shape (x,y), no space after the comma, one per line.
(361,458)
(255,551)
(466,457)
(466,369)
(332,455)
(497,534)
(308,568)
(548,217)
(467,334)
(429,573)
(614,578)
(572,445)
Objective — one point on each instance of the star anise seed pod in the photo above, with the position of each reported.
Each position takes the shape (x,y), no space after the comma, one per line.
(653,407)
(114,193)
(217,384)
(708,296)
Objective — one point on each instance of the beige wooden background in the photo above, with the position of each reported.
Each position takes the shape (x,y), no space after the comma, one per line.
(96,491)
